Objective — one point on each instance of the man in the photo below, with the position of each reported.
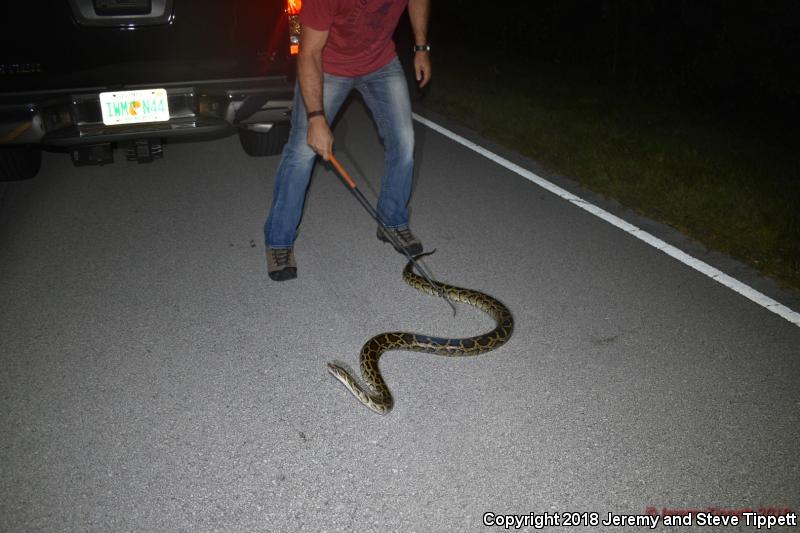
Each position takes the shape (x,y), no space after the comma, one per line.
(345,45)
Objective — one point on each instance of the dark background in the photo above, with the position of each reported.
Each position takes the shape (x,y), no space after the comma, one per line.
(736,57)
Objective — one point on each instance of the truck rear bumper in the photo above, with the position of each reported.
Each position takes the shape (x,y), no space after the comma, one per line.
(203,109)
(175,128)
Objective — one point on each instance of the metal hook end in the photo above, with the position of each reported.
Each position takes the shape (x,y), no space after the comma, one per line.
(448,300)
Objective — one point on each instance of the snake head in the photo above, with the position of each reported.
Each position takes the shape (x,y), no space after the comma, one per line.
(339,371)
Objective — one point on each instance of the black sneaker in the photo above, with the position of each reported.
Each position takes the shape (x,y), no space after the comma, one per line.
(280,264)
(402,236)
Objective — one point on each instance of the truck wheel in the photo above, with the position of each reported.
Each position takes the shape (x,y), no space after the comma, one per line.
(260,143)
(19,162)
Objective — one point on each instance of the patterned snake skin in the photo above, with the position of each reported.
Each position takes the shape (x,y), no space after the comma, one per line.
(379,399)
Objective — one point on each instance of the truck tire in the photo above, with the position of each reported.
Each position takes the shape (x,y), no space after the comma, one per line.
(259,143)
(19,162)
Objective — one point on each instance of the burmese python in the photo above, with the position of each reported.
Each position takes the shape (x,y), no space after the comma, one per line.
(378,398)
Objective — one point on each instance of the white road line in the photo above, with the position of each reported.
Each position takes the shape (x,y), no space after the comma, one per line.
(713,273)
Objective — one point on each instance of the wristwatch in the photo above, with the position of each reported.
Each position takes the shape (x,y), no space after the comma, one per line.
(422,48)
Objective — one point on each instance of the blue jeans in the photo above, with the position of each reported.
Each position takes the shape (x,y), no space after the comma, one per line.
(386,94)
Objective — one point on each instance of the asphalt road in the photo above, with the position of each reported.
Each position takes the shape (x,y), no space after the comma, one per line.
(154,379)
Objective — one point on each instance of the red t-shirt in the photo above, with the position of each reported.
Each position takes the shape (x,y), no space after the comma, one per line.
(360,33)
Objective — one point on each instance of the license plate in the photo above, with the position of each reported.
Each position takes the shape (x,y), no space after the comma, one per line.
(133,107)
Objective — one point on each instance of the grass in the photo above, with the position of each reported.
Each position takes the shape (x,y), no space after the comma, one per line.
(733,187)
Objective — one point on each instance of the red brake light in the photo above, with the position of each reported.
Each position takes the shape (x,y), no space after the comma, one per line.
(293,6)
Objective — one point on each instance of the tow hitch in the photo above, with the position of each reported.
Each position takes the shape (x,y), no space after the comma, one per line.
(145,150)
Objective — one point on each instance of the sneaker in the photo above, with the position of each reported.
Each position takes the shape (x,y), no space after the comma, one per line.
(402,236)
(280,264)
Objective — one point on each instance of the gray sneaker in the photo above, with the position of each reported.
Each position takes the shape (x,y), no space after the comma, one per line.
(402,236)
(280,264)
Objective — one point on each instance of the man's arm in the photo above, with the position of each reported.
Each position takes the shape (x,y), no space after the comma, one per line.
(309,74)
(419,13)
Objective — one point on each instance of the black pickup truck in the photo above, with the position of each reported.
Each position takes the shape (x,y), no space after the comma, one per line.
(88,76)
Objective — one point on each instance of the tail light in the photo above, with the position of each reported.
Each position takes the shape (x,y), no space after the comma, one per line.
(293,10)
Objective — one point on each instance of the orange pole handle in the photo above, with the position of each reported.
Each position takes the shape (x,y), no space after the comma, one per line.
(342,172)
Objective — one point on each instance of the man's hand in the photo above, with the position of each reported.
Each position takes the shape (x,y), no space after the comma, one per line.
(422,68)
(320,138)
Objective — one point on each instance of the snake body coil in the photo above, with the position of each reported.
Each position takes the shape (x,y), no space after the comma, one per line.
(378,398)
